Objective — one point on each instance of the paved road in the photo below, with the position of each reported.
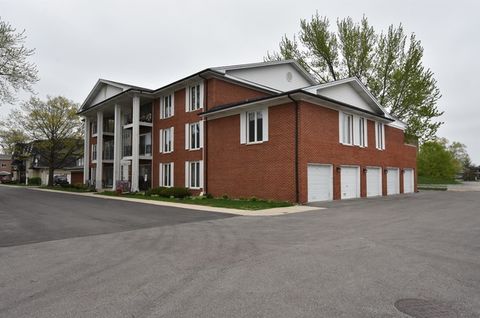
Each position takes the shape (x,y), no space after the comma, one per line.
(354,259)
(30,216)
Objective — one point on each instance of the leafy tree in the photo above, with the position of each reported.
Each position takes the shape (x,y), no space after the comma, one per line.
(53,126)
(10,136)
(436,161)
(389,64)
(15,71)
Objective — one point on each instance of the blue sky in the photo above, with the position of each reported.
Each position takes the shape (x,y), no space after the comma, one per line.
(152,43)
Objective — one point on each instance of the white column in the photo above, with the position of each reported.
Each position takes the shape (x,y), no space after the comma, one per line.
(86,152)
(99,170)
(117,144)
(135,142)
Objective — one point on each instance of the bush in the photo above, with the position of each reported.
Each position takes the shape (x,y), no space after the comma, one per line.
(208,196)
(35,181)
(165,192)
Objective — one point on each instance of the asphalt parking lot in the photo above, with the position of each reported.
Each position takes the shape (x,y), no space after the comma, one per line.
(353,259)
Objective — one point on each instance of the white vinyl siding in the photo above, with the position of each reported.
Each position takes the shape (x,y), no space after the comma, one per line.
(380,136)
(166,140)
(166,174)
(167,106)
(194,97)
(194,135)
(352,130)
(254,126)
(194,174)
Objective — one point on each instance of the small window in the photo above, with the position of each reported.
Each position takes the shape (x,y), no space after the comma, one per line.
(361,132)
(166,106)
(166,140)
(194,97)
(194,136)
(255,126)
(347,129)
(380,135)
(166,174)
(93,125)
(194,174)
(94,152)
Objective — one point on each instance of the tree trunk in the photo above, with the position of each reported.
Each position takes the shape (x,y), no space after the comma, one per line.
(50,176)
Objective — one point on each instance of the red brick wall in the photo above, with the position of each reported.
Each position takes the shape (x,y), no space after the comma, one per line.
(319,143)
(263,170)
(221,92)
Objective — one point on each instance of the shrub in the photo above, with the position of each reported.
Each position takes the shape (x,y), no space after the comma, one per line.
(35,181)
(253,199)
(208,196)
(165,192)
(225,197)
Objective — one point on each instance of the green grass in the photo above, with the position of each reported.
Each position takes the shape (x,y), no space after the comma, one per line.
(58,188)
(430,180)
(213,202)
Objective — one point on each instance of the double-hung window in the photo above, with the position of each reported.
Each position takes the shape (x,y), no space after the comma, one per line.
(194,174)
(194,135)
(166,174)
(166,106)
(353,130)
(166,140)
(194,97)
(94,152)
(380,135)
(347,129)
(254,126)
(362,132)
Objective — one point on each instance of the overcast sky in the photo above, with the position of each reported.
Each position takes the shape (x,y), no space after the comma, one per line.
(152,43)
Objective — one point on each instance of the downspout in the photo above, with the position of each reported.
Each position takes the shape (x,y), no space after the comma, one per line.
(205,138)
(297,183)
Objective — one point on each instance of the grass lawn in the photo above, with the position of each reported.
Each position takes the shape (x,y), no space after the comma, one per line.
(59,188)
(429,180)
(214,202)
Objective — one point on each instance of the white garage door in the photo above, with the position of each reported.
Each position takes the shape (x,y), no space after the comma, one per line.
(350,182)
(393,181)
(320,183)
(408,181)
(374,182)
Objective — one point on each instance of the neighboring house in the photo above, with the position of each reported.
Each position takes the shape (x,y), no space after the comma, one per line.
(29,163)
(265,130)
(5,167)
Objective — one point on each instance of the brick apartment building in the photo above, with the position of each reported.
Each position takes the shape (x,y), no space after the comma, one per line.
(267,130)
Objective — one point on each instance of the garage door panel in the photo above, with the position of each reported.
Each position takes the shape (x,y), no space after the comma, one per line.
(320,182)
(393,181)
(349,181)
(374,182)
(408,181)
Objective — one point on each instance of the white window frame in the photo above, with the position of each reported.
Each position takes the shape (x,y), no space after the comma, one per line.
(163,169)
(353,130)
(346,129)
(94,152)
(194,102)
(163,106)
(188,135)
(245,129)
(362,128)
(198,164)
(380,135)
(165,146)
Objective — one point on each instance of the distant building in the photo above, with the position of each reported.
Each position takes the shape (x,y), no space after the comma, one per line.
(5,167)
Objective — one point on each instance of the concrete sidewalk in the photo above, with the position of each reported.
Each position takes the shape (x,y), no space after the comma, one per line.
(265,212)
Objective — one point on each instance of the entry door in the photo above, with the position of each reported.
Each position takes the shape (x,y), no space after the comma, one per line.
(393,181)
(349,180)
(320,182)
(374,182)
(408,181)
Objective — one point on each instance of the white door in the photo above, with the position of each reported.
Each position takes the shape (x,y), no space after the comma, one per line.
(393,181)
(350,182)
(374,182)
(408,181)
(320,183)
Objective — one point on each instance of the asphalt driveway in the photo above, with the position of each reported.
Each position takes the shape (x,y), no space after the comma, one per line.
(354,259)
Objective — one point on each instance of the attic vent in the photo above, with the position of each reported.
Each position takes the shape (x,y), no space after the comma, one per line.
(289,76)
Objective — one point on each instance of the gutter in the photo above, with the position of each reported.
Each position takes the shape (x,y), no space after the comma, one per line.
(297,182)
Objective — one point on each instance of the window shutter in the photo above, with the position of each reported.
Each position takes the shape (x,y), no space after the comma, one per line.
(202,94)
(265,124)
(161,106)
(161,140)
(187,98)
(201,173)
(160,180)
(356,129)
(187,185)
(243,128)
(173,103)
(187,136)
(340,127)
(365,121)
(383,136)
(201,133)
(376,135)
(172,138)
(172,174)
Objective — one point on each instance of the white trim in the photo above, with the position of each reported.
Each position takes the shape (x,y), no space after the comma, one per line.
(243,128)
(161,140)
(187,136)
(162,105)
(201,87)
(162,174)
(201,126)
(186,172)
